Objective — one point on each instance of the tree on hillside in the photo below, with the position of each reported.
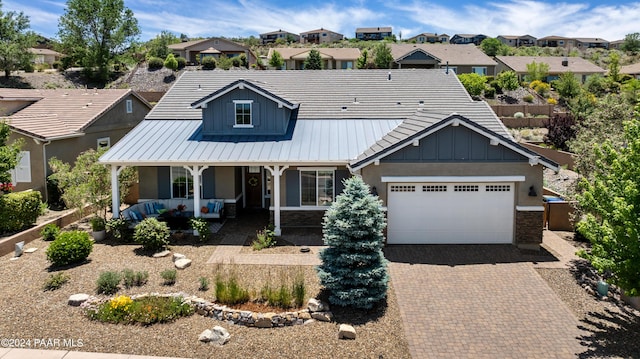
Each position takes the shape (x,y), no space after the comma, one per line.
(15,41)
(382,56)
(536,71)
(276,60)
(508,80)
(611,201)
(631,42)
(159,46)
(9,153)
(614,66)
(97,33)
(363,61)
(313,61)
(353,269)
(490,46)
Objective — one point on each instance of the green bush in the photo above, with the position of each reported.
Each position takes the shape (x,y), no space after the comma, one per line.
(230,292)
(97,223)
(119,229)
(204,284)
(152,234)
(182,62)
(518,115)
(171,63)
(155,63)
(50,232)
(57,65)
(144,310)
(489,92)
(299,290)
(56,281)
(208,63)
(202,226)
(19,210)
(131,278)
(169,276)
(108,282)
(527,98)
(265,238)
(69,248)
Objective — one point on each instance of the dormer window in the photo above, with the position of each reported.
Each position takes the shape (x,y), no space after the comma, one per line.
(243,113)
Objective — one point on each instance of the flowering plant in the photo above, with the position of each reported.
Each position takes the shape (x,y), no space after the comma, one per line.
(6,187)
(181,207)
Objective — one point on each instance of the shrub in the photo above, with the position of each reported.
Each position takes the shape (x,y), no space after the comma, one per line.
(182,62)
(131,278)
(518,115)
(567,85)
(144,310)
(473,83)
(108,282)
(508,80)
(69,248)
(230,292)
(171,63)
(489,92)
(527,98)
(56,281)
(204,283)
(152,234)
(50,232)
(208,63)
(561,129)
(155,63)
(97,223)
(541,88)
(265,238)
(19,210)
(299,290)
(202,226)
(552,101)
(119,229)
(57,65)
(169,276)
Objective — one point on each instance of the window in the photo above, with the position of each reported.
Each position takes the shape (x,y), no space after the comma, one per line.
(22,172)
(316,187)
(181,183)
(104,142)
(129,106)
(347,65)
(479,70)
(243,113)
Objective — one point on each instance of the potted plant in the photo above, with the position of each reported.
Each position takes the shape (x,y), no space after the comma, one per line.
(98,227)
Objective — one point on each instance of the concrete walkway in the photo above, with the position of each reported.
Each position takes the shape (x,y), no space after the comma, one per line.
(6,353)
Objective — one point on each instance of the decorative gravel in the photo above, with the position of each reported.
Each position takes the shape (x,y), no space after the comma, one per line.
(27,312)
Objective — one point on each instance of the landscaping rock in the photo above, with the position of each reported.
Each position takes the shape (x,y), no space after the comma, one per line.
(30,250)
(162,254)
(205,336)
(77,299)
(220,335)
(177,256)
(183,263)
(322,316)
(346,331)
(316,305)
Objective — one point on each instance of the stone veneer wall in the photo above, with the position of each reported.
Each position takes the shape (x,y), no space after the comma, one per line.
(529,229)
(299,218)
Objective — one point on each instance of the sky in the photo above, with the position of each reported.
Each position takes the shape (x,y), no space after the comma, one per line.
(610,20)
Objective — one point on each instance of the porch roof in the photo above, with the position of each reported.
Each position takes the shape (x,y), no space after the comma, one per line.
(178,142)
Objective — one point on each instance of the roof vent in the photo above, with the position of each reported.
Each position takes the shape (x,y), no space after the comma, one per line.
(565,62)
(389,76)
(355,100)
(398,103)
(199,87)
(421,103)
(344,108)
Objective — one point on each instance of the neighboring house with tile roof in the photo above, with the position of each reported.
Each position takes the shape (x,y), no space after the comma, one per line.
(633,70)
(458,58)
(556,41)
(517,40)
(320,36)
(63,123)
(45,56)
(464,39)
(332,58)
(191,50)
(273,36)
(429,38)
(583,43)
(373,33)
(558,65)
(444,166)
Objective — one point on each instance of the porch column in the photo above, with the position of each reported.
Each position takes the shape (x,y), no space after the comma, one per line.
(276,172)
(196,172)
(115,192)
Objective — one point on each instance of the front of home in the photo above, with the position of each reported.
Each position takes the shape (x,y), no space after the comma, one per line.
(332,58)
(444,166)
(193,51)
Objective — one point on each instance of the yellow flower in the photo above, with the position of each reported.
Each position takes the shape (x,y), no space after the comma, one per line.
(121,302)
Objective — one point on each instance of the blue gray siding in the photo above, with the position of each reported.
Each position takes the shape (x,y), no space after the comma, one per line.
(419,55)
(292,184)
(455,144)
(341,175)
(164,182)
(209,183)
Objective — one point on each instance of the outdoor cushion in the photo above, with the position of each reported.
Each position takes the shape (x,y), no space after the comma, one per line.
(204,209)
(211,206)
(218,206)
(149,207)
(158,207)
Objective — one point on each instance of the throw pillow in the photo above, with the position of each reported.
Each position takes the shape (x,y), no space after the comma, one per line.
(211,206)
(204,209)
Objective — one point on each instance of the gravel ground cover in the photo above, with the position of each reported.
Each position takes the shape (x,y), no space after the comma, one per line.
(28,312)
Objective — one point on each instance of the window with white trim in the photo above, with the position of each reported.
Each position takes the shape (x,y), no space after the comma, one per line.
(103,142)
(316,187)
(22,172)
(480,70)
(129,104)
(243,113)
(181,183)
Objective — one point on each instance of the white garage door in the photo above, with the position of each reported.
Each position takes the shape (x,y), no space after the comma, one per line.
(437,213)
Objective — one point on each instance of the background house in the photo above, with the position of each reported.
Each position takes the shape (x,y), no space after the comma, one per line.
(517,40)
(320,36)
(580,67)
(332,58)
(190,50)
(583,43)
(45,56)
(556,41)
(373,33)
(273,36)
(429,38)
(63,123)
(633,70)
(464,39)
(459,58)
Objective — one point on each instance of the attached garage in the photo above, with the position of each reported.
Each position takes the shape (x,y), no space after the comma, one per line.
(451,210)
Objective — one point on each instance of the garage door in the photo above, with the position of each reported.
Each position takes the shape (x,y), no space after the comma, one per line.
(435,213)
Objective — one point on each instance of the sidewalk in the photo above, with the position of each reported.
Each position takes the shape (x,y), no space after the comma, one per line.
(15,353)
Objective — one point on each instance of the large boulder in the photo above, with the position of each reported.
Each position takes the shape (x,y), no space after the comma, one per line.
(316,305)
(182,263)
(217,335)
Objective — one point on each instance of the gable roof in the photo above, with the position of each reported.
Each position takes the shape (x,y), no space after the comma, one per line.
(62,112)
(301,53)
(577,65)
(182,46)
(591,39)
(632,69)
(319,31)
(374,29)
(242,84)
(456,55)
(277,32)
(38,51)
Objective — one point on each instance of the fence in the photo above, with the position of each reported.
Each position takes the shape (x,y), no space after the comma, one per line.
(510,110)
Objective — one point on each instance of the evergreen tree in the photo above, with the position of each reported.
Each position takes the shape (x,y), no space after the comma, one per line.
(363,60)
(171,63)
(276,60)
(313,61)
(353,268)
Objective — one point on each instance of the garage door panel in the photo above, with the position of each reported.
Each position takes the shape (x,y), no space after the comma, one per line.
(450,213)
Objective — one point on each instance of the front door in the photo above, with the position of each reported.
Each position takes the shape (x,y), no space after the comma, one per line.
(253,186)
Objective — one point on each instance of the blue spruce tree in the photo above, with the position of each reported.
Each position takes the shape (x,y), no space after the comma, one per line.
(353,269)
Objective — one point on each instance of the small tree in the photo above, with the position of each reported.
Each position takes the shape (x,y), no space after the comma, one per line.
(15,41)
(276,60)
(313,61)
(382,56)
(363,61)
(614,66)
(561,129)
(473,83)
(612,203)
(159,46)
(171,63)
(536,71)
(631,42)
(353,268)
(490,46)
(567,85)
(508,80)
(9,153)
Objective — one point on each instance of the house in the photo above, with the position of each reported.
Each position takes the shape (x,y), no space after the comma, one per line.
(45,56)
(633,70)
(558,65)
(320,36)
(583,43)
(460,59)
(464,39)
(373,33)
(191,50)
(556,41)
(63,123)
(444,166)
(616,45)
(429,38)
(517,40)
(332,58)
(272,37)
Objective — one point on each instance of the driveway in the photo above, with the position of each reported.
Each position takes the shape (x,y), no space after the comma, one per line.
(482,301)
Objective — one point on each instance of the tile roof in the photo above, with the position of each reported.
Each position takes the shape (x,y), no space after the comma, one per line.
(289,53)
(277,32)
(374,29)
(632,69)
(454,54)
(591,39)
(318,31)
(576,65)
(60,112)
(44,52)
(185,44)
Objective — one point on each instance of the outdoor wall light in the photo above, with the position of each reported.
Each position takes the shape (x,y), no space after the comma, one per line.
(532,192)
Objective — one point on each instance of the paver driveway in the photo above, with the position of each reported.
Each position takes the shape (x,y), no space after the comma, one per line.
(479,302)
